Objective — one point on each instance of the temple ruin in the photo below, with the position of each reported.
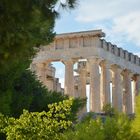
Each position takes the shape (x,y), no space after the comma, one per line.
(112,73)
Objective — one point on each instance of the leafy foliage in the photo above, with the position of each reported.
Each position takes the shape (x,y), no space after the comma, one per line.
(136,121)
(30,94)
(117,127)
(108,110)
(55,124)
(24,25)
(43,125)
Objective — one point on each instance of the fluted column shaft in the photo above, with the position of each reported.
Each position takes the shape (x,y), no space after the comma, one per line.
(117,88)
(41,71)
(48,78)
(136,79)
(69,78)
(105,83)
(82,86)
(95,97)
(128,92)
(136,90)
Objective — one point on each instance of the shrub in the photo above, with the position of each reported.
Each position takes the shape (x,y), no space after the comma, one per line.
(35,125)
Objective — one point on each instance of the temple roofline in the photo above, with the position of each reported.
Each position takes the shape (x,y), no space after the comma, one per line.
(98,33)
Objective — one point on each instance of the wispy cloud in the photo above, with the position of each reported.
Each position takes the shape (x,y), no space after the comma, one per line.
(119,19)
(129,25)
(138,54)
(91,11)
(123,15)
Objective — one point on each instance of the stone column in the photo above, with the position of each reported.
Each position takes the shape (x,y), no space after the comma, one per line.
(105,82)
(41,71)
(46,66)
(49,78)
(76,83)
(128,92)
(95,97)
(82,86)
(44,70)
(136,90)
(136,79)
(69,78)
(117,88)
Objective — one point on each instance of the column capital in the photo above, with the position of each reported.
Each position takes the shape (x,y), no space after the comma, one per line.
(94,60)
(68,61)
(82,66)
(116,68)
(40,65)
(136,77)
(128,73)
(105,63)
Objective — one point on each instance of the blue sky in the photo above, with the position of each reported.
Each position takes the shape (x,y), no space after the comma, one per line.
(119,19)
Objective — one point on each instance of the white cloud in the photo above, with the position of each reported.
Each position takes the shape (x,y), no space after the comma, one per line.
(129,25)
(119,19)
(138,54)
(91,11)
(123,15)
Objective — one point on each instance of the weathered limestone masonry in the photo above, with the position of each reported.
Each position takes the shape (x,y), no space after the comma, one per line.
(109,70)
(46,74)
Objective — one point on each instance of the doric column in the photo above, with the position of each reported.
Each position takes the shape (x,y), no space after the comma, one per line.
(136,79)
(128,92)
(95,97)
(41,71)
(136,89)
(46,67)
(117,88)
(69,78)
(82,85)
(49,78)
(105,82)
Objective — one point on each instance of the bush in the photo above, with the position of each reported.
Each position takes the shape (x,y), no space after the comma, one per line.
(116,127)
(136,121)
(35,125)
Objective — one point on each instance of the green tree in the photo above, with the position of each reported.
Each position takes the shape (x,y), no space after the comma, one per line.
(24,26)
(30,94)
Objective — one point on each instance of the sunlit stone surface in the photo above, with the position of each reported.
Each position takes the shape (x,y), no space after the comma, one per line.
(100,64)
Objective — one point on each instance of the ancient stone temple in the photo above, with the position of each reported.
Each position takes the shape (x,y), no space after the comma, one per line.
(112,73)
